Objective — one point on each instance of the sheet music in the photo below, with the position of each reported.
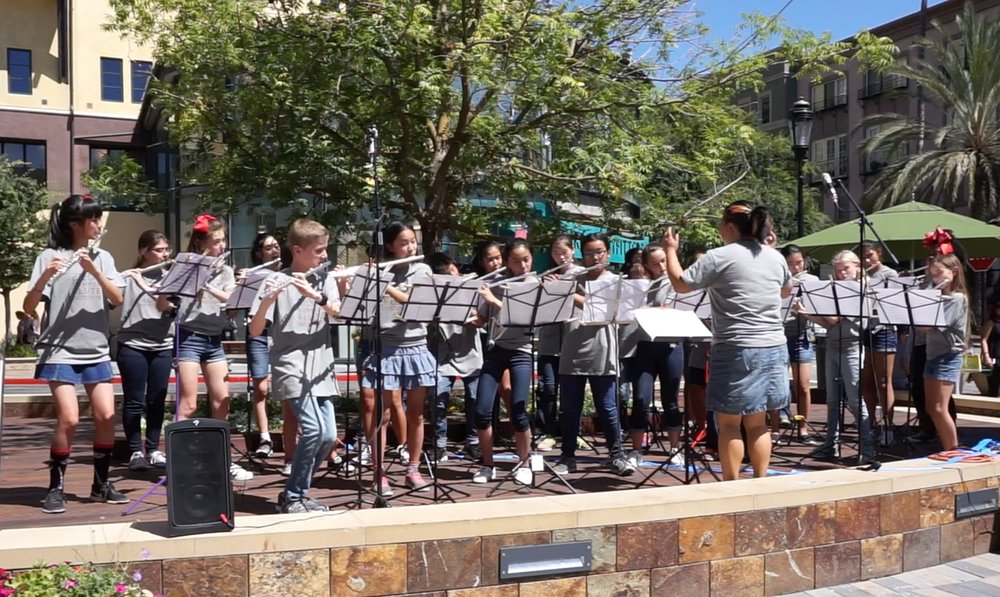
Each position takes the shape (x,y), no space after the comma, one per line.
(364,296)
(603,296)
(188,276)
(695,301)
(535,303)
(442,299)
(909,307)
(246,290)
(839,298)
(671,324)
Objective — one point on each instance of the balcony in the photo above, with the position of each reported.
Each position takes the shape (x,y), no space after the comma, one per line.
(829,102)
(883,84)
(836,168)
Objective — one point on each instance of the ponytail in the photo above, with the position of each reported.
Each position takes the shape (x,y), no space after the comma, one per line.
(760,224)
(751,221)
(75,208)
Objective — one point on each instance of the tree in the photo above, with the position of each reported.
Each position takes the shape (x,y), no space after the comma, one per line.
(119,179)
(22,231)
(962,157)
(517,99)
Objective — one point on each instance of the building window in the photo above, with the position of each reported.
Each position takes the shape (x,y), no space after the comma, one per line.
(112,88)
(764,105)
(19,71)
(830,94)
(830,156)
(140,78)
(32,156)
(99,154)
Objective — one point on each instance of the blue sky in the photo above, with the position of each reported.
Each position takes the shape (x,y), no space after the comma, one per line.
(842,18)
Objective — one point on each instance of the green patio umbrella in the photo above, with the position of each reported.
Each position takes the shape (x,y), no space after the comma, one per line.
(903,227)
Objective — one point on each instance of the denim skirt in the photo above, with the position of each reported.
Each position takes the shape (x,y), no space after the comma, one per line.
(746,381)
(75,374)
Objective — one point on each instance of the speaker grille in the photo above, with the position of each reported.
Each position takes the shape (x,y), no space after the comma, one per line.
(199,488)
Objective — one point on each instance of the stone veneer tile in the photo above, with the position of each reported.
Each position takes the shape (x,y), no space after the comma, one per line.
(705,538)
(691,580)
(737,576)
(937,506)
(762,531)
(814,524)
(562,587)
(837,563)
(290,573)
(982,531)
(789,571)
(881,556)
(647,545)
(957,541)
(921,549)
(152,574)
(368,570)
(857,518)
(443,564)
(900,512)
(494,591)
(633,583)
(222,576)
(491,551)
(603,540)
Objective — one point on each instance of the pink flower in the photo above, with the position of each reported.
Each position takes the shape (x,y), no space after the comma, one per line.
(70,583)
(121,589)
(6,592)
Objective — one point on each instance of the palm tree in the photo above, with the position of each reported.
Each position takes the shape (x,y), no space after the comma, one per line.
(962,157)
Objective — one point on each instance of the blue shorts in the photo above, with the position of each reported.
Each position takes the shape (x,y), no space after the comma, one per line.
(946,367)
(75,374)
(746,381)
(882,340)
(193,347)
(257,356)
(800,350)
(402,368)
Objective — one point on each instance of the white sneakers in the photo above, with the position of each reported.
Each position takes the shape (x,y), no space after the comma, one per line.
(238,473)
(485,474)
(138,462)
(158,459)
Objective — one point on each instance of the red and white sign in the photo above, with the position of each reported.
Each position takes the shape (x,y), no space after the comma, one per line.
(981,264)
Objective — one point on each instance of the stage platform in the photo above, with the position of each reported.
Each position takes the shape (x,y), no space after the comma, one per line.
(809,524)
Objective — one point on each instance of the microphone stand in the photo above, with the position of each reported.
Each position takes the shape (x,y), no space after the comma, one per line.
(872,464)
(371,139)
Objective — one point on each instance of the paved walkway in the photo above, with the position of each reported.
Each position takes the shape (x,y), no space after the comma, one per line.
(978,576)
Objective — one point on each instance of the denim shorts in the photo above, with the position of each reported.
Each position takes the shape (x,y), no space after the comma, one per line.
(947,367)
(746,381)
(402,368)
(882,340)
(75,374)
(800,350)
(257,356)
(199,348)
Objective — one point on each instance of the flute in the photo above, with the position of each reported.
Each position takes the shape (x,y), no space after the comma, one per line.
(493,273)
(154,267)
(570,276)
(267,265)
(350,271)
(512,279)
(289,280)
(92,245)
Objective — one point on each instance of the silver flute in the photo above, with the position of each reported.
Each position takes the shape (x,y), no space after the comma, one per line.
(92,245)
(576,273)
(289,280)
(492,274)
(350,271)
(154,267)
(509,280)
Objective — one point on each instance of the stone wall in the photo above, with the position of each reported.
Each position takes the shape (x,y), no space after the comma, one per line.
(756,552)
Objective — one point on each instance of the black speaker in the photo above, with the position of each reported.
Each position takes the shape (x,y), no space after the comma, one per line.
(199,488)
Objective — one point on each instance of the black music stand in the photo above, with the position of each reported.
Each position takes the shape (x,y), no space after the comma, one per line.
(187,277)
(359,307)
(678,325)
(532,304)
(435,300)
(848,299)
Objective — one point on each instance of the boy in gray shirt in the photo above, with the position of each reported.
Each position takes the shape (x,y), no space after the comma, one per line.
(302,365)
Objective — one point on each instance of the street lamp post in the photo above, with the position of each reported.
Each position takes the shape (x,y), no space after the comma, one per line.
(800,122)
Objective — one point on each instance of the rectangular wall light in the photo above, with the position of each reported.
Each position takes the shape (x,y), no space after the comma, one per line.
(545,560)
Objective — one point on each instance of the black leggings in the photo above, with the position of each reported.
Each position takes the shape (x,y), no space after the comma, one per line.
(145,375)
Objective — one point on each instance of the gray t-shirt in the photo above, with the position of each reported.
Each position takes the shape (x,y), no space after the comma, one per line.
(458,350)
(397,333)
(843,334)
(205,314)
(951,338)
(590,349)
(144,327)
(744,280)
(878,277)
(75,325)
(301,353)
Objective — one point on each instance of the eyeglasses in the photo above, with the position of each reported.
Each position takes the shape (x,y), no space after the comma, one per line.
(600,253)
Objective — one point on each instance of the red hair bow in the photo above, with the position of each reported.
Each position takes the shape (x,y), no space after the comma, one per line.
(202,222)
(939,241)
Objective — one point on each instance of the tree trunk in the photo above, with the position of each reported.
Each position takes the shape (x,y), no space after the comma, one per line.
(6,316)
(431,231)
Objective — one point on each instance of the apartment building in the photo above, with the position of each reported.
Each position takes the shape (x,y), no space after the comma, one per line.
(843,99)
